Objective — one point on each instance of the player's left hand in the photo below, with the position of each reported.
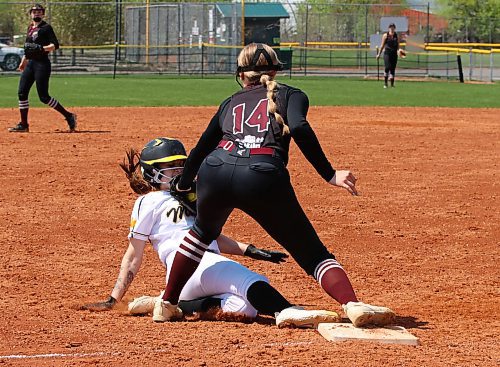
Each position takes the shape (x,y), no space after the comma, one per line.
(346,180)
(266,255)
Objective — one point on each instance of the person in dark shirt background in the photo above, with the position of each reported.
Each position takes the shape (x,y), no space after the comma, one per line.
(390,46)
(240,161)
(36,68)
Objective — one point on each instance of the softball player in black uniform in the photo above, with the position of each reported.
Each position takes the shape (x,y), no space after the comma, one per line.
(390,46)
(241,162)
(36,68)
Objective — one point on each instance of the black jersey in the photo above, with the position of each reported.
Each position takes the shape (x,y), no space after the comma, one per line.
(391,43)
(247,120)
(42,34)
(244,119)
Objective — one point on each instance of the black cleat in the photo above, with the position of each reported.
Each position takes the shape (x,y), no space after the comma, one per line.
(19,128)
(71,119)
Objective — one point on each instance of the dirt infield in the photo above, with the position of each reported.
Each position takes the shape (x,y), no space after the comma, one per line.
(421,239)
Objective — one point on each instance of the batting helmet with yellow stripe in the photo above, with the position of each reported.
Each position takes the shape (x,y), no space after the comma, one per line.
(159,150)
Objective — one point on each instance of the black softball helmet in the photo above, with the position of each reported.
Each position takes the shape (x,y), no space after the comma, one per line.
(37,7)
(159,150)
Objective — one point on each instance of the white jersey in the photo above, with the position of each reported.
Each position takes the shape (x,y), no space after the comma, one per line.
(161,219)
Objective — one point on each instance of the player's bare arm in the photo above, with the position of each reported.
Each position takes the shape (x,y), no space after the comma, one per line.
(382,45)
(130,265)
(49,48)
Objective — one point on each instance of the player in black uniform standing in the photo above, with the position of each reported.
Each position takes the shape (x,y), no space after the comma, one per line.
(36,68)
(390,46)
(241,162)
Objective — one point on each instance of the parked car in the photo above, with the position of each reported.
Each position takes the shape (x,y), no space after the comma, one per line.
(10,57)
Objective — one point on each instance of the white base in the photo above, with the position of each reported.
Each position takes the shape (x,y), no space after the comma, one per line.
(387,334)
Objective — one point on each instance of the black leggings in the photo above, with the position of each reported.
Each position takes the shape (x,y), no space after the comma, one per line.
(39,72)
(390,62)
(260,186)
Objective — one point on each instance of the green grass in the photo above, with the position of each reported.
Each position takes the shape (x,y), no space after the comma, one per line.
(322,91)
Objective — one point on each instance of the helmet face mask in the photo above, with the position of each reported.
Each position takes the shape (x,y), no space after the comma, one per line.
(156,176)
(157,153)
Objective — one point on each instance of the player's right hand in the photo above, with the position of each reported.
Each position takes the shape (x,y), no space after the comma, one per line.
(266,255)
(22,65)
(100,306)
(346,180)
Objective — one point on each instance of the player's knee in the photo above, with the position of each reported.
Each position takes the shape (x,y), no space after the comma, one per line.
(23,96)
(254,278)
(236,304)
(206,235)
(45,99)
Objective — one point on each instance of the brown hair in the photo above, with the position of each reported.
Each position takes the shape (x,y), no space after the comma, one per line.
(130,166)
(244,59)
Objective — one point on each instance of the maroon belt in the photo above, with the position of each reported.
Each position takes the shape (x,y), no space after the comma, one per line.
(230,146)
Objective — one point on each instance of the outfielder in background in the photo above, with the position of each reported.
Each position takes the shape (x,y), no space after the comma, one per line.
(390,46)
(36,68)
(218,282)
(241,162)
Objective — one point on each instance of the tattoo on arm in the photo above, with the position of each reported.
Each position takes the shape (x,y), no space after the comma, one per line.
(123,284)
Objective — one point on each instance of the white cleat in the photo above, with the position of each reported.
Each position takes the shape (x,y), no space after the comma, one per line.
(298,317)
(362,314)
(142,305)
(165,311)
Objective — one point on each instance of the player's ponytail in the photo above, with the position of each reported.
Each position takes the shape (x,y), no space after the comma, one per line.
(130,166)
(245,58)
(271,85)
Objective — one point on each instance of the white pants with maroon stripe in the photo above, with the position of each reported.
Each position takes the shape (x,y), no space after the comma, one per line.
(222,278)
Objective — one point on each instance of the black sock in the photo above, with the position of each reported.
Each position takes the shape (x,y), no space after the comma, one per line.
(392,82)
(265,299)
(385,80)
(24,116)
(199,305)
(54,103)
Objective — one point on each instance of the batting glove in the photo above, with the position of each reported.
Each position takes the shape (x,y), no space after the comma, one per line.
(266,255)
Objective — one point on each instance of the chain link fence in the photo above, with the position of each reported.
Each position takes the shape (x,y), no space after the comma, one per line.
(204,38)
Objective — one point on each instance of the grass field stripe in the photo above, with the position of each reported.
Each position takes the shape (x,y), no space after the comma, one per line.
(149,91)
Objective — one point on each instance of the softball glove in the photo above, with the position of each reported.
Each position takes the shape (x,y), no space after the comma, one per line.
(186,198)
(33,50)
